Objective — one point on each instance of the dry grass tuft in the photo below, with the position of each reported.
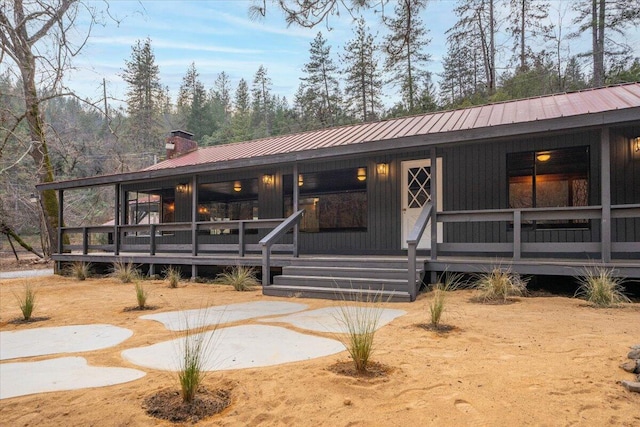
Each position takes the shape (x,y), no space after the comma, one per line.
(499,285)
(600,287)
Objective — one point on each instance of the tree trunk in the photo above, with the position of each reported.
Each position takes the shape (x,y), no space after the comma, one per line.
(492,51)
(39,152)
(7,231)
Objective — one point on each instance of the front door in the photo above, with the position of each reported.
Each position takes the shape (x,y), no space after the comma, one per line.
(416,192)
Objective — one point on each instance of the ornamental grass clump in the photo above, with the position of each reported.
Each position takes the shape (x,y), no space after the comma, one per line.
(27,301)
(141,295)
(80,270)
(195,350)
(360,322)
(448,283)
(240,277)
(499,285)
(600,287)
(172,275)
(125,271)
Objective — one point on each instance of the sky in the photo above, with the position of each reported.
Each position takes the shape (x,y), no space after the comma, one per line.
(218,35)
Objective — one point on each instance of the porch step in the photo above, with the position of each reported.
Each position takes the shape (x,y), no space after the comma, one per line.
(356,272)
(355,262)
(331,283)
(344,277)
(340,294)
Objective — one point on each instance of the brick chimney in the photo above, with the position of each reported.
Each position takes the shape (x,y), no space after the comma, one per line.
(179,142)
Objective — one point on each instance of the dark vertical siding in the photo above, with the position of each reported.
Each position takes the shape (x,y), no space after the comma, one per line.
(625,182)
(475,177)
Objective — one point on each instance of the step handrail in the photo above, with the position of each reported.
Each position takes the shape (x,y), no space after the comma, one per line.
(412,245)
(267,241)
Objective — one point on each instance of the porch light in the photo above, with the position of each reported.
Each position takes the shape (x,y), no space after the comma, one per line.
(362,174)
(33,198)
(182,188)
(237,186)
(382,169)
(300,180)
(267,179)
(635,145)
(543,157)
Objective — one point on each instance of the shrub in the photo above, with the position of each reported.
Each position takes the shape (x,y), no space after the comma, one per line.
(498,285)
(172,275)
(126,272)
(240,277)
(141,295)
(361,323)
(600,287)
(27,301)
(450,283)
(80,270)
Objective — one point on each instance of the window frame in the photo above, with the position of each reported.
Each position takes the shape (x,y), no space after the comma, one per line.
(533,167)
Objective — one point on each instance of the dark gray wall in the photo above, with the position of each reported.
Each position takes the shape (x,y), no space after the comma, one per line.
(475,177)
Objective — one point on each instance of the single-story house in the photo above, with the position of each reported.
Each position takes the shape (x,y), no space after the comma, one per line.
(544,186)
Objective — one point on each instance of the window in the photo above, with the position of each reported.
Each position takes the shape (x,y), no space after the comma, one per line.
(229,200)
(144,209)
(556,178)
(333,200)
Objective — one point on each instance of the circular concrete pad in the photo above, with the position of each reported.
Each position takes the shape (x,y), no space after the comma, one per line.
(60,339)
(330,319)
(238,347)
(209,316)
(66,373)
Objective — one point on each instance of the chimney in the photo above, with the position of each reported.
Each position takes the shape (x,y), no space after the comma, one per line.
(179,143)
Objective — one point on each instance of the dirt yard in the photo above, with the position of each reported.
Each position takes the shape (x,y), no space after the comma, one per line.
(537,361)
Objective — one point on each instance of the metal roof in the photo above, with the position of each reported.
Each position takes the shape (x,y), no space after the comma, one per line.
(542,108)
(590,108)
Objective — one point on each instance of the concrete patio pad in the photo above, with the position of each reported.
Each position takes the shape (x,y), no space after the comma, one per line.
(328,319)
(238,347)
(66,373)
(60,339)
(209,316)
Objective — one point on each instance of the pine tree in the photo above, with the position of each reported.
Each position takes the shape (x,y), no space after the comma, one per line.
(320,84)
(241,120)
(526,24)
(476,26)
(144,95)
(262,105)
(363,81)
(219,103)
(404,46)
(600,18)
(192,105)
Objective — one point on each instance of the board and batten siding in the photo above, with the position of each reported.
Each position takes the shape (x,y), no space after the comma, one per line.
(475,178)
(625,182)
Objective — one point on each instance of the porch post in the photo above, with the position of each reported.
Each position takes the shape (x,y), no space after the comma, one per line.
(116,221)
(605,194)
(296,196)
(194,215)
(60,220)
(434,211)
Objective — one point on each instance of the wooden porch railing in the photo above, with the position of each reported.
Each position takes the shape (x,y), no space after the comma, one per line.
(516,246)
(154,232)
(412,244)
(520,217)
(268,241)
